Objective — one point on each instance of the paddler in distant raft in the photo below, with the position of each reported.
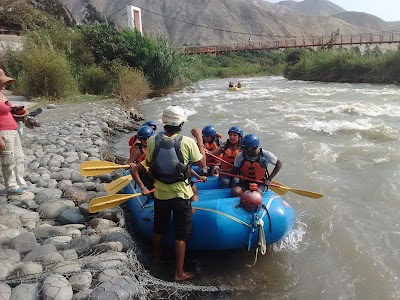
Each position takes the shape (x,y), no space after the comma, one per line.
(230,85)
(239,85)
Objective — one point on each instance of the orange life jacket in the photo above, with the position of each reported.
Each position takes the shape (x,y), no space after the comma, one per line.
(253,169)
(229,156)
(211,147)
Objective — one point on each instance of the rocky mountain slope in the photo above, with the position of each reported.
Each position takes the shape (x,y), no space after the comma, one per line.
(364,20)
(313,7)
(237,20)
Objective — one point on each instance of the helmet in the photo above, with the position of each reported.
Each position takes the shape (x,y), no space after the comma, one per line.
(145,132)
(174,115)
(209,130)
(237,130)
(250,140)
(151,124)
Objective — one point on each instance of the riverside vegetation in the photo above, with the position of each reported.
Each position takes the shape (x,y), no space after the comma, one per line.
(61,60)
(344,65)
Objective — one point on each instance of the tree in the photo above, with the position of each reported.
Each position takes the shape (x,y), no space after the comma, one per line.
(91,14)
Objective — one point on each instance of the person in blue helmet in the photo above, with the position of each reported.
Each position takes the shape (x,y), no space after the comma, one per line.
(138,154)
(138,151)
(253,163)
(151,124)
(229,151)
(211,141)
(133,140)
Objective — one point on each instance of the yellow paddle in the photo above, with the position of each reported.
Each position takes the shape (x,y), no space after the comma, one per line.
(99,167)
(118,184)
(281,187)
(106,202)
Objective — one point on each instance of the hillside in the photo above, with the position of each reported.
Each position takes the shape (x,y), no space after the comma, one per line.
(313,7)
(364,20)
(259,17)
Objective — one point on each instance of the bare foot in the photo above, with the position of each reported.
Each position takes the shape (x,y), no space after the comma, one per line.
(184,276)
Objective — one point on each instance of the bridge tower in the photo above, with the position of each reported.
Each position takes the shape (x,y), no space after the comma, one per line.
(135,18)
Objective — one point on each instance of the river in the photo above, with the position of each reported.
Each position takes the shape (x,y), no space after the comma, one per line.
(341,140)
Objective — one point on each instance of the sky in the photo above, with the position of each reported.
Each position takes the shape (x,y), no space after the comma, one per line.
(388,10)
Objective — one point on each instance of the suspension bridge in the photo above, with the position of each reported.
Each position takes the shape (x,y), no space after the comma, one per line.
(391,37)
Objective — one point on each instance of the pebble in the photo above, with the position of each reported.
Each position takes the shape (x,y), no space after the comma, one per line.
(48,232)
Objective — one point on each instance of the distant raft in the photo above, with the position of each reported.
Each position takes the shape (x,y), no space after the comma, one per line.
(234,88)
(219,222)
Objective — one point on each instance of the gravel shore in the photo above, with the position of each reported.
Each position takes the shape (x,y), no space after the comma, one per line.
(51,246)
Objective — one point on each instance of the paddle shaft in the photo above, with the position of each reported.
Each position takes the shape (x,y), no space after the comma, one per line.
(248,179)
(107,167)
(220,159)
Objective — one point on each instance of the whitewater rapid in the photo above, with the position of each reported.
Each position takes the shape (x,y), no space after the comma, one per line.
(341,140)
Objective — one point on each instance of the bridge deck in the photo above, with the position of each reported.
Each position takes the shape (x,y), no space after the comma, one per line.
(298,42)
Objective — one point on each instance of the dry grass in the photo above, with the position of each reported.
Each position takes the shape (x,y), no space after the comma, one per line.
(132,86)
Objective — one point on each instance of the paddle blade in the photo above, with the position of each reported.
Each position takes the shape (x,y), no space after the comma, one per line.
(277,190)
(307,194)
(99,167)
(106,202)
(118,184)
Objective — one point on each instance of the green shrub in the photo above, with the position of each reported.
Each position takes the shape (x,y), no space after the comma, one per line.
(46,73)
(344,65)
(131,86)
(95,81)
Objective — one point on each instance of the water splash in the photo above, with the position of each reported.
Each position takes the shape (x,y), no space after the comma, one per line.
(292,241)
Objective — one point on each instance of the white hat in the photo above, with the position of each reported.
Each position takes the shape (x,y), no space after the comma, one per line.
(174,116)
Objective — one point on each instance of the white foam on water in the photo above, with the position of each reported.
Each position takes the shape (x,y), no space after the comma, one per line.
(325,154)
(287,135)
(252,125)
(219,108)
(333,126)
(295,117)
(381,160)
(207,93)
(377,92)
(366,109)
(190,111)
(292,241)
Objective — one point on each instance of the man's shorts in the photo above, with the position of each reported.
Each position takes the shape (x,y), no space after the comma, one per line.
(245,185)
(182,216)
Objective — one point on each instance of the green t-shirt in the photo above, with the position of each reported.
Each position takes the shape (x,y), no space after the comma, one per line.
(179,189)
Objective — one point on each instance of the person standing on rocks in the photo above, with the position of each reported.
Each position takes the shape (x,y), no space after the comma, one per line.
(167,157)
(11,153)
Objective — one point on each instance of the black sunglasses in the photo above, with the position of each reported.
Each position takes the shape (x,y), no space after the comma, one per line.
(143,138)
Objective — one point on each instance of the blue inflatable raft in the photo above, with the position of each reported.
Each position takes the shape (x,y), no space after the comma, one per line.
(219,223)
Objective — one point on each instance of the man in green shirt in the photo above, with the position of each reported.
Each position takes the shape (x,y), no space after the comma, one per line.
(167,157)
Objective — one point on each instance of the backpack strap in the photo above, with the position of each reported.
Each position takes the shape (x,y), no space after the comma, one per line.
(178,141)
(157,146)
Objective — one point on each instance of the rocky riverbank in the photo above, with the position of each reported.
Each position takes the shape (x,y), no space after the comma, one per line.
(51,246)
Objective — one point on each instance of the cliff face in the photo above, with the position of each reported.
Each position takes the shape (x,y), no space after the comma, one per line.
(255,19)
